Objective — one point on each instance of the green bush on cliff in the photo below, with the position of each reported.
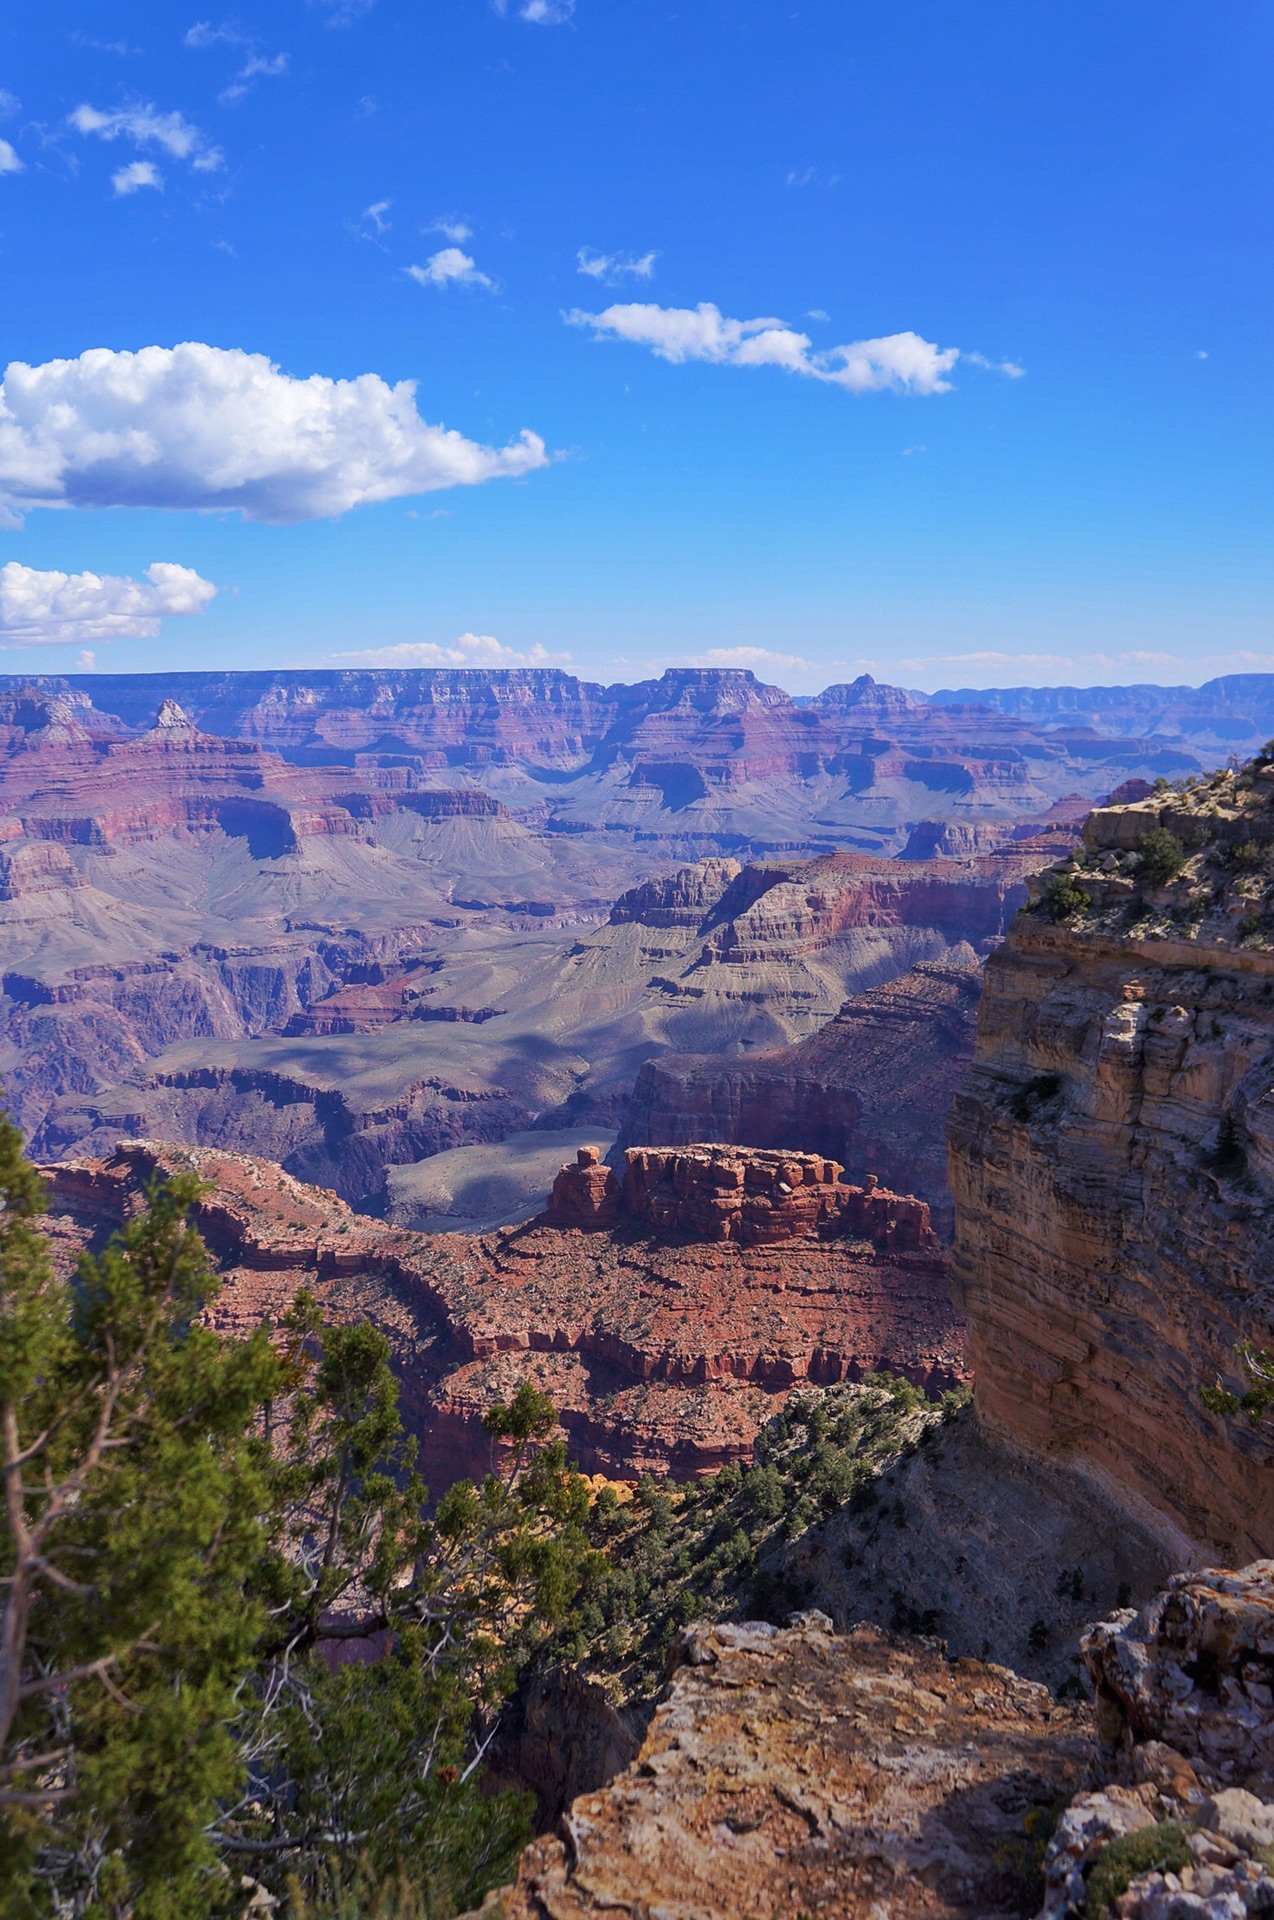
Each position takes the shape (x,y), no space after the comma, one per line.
(1163,1848)
(1062,899)
(194,1525)
(1160,857)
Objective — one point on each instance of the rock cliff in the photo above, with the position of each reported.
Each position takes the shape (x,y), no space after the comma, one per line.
(1112,1161)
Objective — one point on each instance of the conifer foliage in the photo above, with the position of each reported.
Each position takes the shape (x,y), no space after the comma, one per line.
(238,1650)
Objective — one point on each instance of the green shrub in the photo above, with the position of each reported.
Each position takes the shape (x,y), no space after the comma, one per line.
(1162,856)
(1061,899)
(1164,1848)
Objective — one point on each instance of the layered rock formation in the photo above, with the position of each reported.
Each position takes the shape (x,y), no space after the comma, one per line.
(714,1193)
(797,1771)
(1112,1167)
(872,1087)
(661,1354)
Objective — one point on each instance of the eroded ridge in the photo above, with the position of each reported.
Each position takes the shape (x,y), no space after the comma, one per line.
(662,1353)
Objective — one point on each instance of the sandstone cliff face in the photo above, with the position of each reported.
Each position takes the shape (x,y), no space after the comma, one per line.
(1111,1166)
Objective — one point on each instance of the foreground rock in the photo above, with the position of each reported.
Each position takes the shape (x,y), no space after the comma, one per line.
(1184,1826)
(802,1772)
(662,1353)
(1112,1162)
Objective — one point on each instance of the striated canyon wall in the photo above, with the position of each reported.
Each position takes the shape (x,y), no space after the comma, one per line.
(1112,1162)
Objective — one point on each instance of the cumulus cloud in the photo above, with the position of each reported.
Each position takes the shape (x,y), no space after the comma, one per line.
(203,427)
(613,266)
(138,173)
(450,227)
(470,650)
(450,268)
(901,360)
(41,609)
(146,127)
(9,160)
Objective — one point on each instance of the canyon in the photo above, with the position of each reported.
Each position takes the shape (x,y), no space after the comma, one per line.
(353,968)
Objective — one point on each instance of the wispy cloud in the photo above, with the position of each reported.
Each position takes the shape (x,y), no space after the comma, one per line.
(343,13)
(904,361)
(450,268)
(469,650)
(451,227)
(540,13)
(615,266)
(10,161)
(1009,368)
(57,609)
(374,216)
(9,103)
(138,173)
(146,127)
(205,429)
(257,66)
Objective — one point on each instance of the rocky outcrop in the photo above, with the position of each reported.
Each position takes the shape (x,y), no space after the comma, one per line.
(750,1196)
(871,1088)
(794,1770)
(1112,1168)
(660,1356)
(1183,1822)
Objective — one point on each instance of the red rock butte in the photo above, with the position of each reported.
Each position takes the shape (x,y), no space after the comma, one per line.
(666,1338)
(756,1197)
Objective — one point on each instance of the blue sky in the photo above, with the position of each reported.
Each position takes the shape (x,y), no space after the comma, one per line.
(1050,225)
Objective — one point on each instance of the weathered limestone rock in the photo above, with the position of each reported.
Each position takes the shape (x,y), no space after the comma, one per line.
(796,1771)
(1184,1708)
(1194,1669)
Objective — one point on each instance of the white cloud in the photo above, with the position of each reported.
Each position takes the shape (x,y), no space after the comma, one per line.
(9,161)
(40,609)
(343,13)
(86,661)
(900,360)
(613,266)
(470,650)
(138,173)
(204,428)
(450,268)
(9,102)
(759,659)
(1009,368)
(375,215)
(541,13)
(204,34)
(450,228)
(145,127)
